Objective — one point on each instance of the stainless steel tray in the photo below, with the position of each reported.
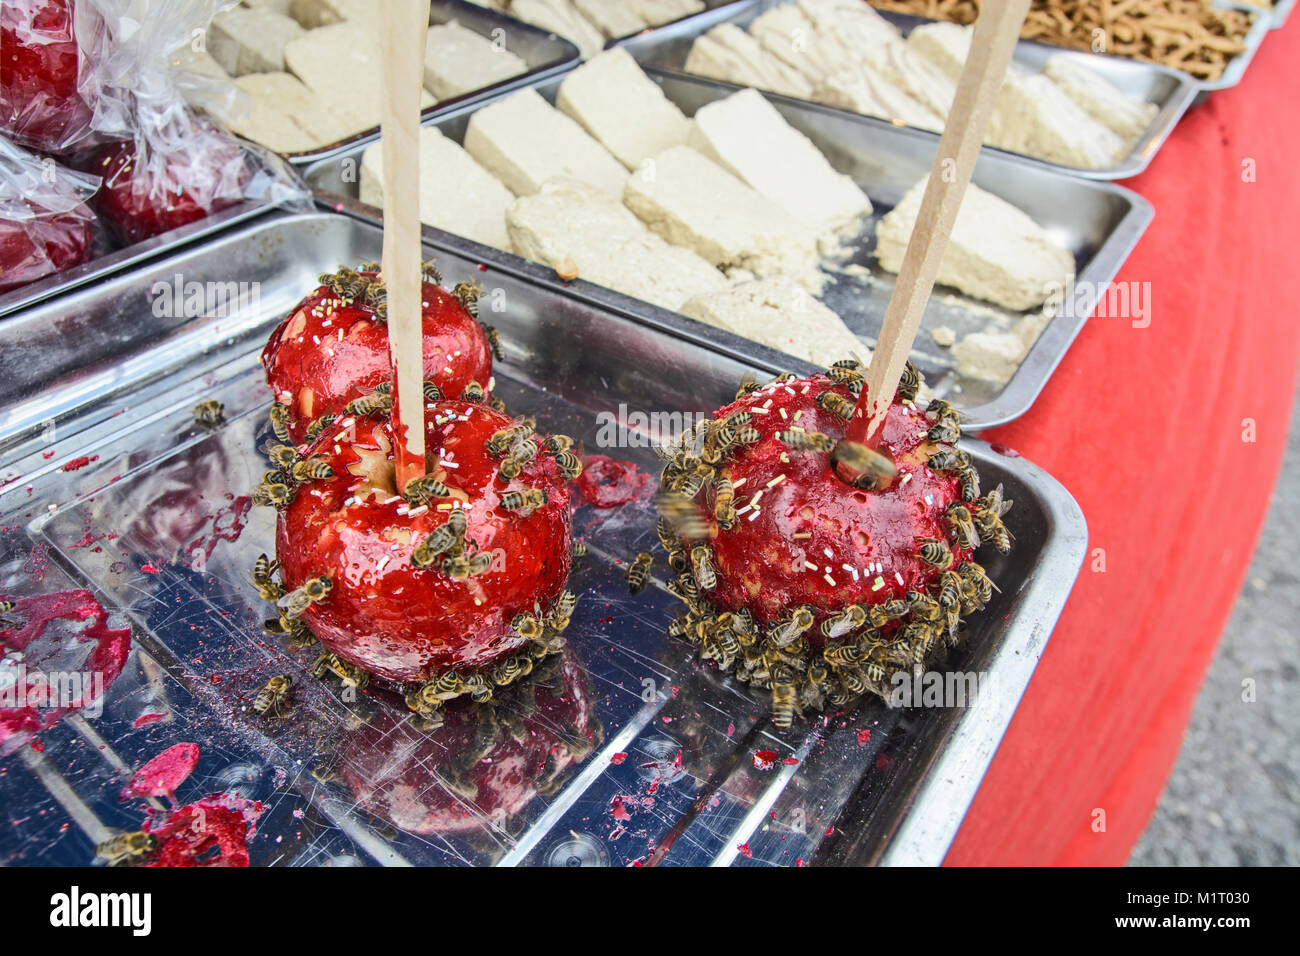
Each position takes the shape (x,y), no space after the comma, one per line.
(545,53)
(1277,15)
(103,266)
(1264,22)
(1099,222)
(656,758)
(1171,90)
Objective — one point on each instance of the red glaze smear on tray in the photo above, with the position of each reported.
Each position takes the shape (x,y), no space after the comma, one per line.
(806,585)
(35,653)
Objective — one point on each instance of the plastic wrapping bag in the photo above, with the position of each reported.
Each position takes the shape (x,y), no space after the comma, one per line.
(166,165)
(45,224)
(46,90)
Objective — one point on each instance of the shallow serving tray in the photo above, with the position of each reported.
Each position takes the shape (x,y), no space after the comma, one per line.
(106,483)
(1171,90)
(1099,222)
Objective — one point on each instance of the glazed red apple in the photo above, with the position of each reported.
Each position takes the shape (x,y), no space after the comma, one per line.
(40,105)
(44,246)
(330,350)
(543,729)
(805,584)
(383,613)
(810,517)
(147,191)
(211,832)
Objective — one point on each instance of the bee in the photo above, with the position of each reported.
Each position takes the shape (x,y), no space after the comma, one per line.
(867,467)
(950,587)
(442,539)
(319,425)
(562,611)
(264,570)
(977,582)
(850,378)
(784,698)
(748,383)
(941,410)
(837,405)
(429,273)
(282,456)
(702,563)
(994,504)
(280,417)
(992,529)
(511,669)
(570,465)
(784,632)
(935,553)
(469,293)
(369,265)
(724,502)
(847,363)
(685,588)
(691,483)
(446,686)
(963,526)
(369,404)
(273,695)
(502,440)
(579,549)
(494,343)
(461,567)
(510,469)
(5,608)
(850,619)
(968,483)
(525,502)
(275,494)
(921,637)
(313,591)
(421,491)
(555,444)
(947,461)
(844,655)
(127,849)
(740,623)
(910,383)
(801,440)
(473,393)
(478,688)
(311,469)
(527,627)
(638,572)
(683,515)
(210,413)
(945,430)
(853,680)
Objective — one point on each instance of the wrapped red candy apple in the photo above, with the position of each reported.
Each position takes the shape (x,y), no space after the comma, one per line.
(332,348)
(42,104)
(815,588)
(45,224)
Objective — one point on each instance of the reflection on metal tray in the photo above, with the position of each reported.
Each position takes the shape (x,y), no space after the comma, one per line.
(544,53)
(107,483)
(1098,222)
(1170,90)
(101,267)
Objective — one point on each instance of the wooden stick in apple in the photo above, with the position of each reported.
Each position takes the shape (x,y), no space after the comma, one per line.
(996,32)
(405,23)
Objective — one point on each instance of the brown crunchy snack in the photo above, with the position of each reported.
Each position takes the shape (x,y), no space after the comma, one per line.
(1188,35)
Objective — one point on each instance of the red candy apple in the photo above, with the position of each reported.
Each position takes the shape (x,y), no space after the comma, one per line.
(804,583)
(44,245)
(149,189)
(40,105)
(332,348)
(398,607)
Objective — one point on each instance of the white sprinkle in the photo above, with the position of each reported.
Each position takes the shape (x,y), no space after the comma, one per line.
(829,580)
(828,552)
(382,562)
(450,464)
(898,577)
(809,565)
(741,511)
(419,511)
(316,339)
(738,483)
(761,411)
(756,513)
(877,584)
(906,478)
(783,414)
(929,499)
(777,480)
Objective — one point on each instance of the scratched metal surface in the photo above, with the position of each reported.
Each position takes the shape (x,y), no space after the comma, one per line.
(638,756)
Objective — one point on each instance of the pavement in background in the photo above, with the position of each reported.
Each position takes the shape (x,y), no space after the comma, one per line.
(1234,796)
